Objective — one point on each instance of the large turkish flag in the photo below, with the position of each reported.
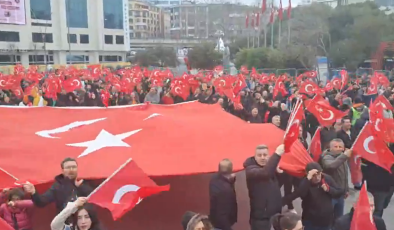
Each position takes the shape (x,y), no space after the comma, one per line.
(163,140)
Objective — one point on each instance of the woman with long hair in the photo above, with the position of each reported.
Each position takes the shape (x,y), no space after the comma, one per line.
(84,218)
(287,221)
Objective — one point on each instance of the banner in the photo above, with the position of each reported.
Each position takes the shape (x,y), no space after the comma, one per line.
(13,12)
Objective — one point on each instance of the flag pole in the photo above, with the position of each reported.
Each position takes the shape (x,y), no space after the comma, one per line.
(248,38)
(110,177)
(272,35)
(279,32)
(265,35)
(288,31)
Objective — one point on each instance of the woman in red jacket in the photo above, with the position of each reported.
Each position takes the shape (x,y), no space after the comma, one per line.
(16,211)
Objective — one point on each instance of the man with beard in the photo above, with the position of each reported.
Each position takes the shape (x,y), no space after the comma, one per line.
(66,188)
(223,200)
(264,192)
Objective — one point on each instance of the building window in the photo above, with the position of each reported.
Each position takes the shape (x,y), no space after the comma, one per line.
(119,39)
(108,39)
(77,13)
(9,36)
(113,14)
(72,38)
(40,60)
(110,58)
(84,39)
(40,9)
(41,24)
(77,59)
(43,38)
(10,59)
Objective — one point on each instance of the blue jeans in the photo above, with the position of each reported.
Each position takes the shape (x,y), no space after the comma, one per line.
(339,206)
(309,226)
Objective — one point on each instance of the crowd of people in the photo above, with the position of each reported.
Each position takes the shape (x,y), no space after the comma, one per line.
(323,189)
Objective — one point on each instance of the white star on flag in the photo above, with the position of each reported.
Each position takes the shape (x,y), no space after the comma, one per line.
(104,139)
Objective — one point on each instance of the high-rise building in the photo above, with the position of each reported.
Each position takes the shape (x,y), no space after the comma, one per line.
(189,20)
(64,32)
(166,24)
(145,20)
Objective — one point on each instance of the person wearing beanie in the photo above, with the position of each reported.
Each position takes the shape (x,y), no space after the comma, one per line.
(316,190)
(196,221)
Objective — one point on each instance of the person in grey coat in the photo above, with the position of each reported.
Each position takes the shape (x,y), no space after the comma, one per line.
(334,163)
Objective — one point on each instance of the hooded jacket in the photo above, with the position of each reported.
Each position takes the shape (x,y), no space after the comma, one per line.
(264,192)
(336,166)
(62,191)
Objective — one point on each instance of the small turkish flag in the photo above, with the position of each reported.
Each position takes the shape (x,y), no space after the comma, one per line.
(124,189)
(323,111)
(308,87)
(362,216)
(373,85)
(315,146)
(293,128)
(373,149)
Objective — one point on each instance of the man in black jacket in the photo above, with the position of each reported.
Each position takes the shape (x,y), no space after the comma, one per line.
(66,187)
(317,190)
(344,222)
(264,192)
(223,200)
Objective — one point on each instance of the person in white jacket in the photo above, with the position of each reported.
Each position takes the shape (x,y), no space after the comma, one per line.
(85,218)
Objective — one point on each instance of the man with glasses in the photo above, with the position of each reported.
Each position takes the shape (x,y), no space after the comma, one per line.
(66,188)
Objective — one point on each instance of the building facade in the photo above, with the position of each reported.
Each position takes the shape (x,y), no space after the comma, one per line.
(166,24)
(65,32)
(189,20)
(144,20)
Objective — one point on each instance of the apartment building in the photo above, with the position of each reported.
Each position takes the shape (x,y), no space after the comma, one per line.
(144,19)
(189,20)
(40,32)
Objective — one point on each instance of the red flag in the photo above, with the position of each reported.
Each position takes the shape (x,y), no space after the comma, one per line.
(295,161)
(272,15)
(124,189)
(362,215)
(309,87)
(293,128)
(383,128)
(289,10)
(4,225)
(344,78)
(373,149)
(323,111)
(247,20)
(171,134)
(263,6)
(280,11)
(315,146)
(373,85)
(257,19)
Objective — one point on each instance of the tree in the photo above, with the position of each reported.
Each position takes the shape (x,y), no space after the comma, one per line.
(260,58)
(158,56)
(204,56)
